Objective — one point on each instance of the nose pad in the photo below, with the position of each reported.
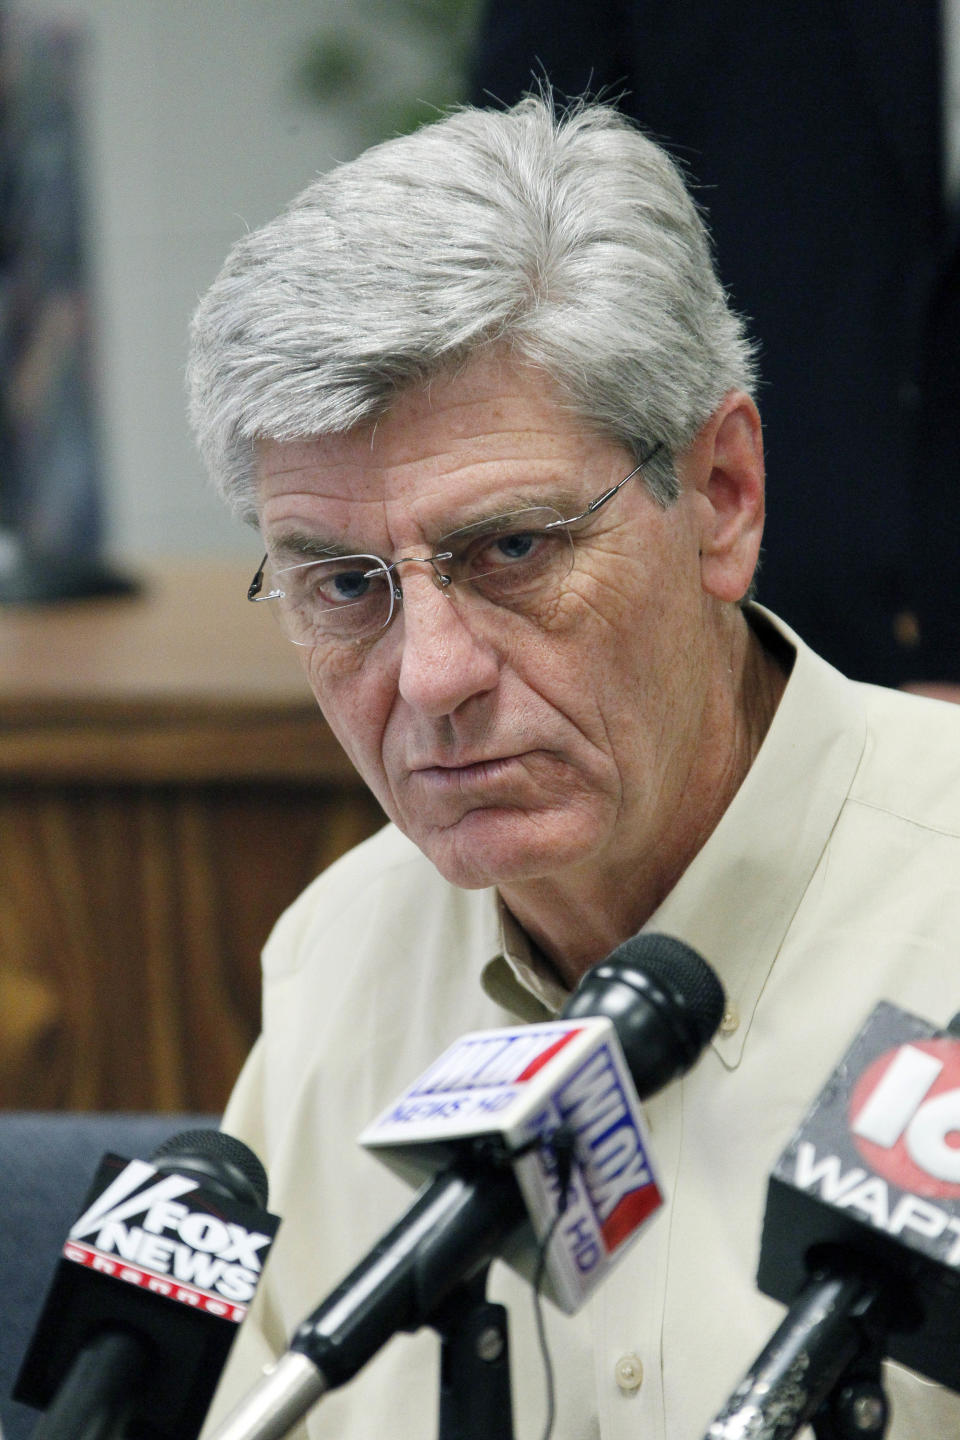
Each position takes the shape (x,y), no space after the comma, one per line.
(440,579)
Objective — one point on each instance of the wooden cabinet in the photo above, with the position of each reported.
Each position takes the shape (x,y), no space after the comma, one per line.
(167,786)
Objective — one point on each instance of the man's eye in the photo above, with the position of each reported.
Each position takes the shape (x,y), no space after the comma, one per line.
(344,587)
(494,552)
(516,547)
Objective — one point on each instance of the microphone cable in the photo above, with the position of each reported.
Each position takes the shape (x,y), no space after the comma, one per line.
(562,1147)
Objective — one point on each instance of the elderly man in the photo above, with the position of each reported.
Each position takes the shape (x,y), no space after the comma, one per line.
(482,395)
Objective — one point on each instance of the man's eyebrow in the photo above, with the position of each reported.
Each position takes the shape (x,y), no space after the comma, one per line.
(302,545)
(565,500)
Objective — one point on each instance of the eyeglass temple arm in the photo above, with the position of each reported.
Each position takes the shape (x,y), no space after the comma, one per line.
(608,494)
(256,585)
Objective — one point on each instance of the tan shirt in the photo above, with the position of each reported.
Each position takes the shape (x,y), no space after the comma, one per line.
(833,880)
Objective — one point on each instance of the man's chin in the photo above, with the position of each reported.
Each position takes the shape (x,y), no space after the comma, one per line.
(502,847)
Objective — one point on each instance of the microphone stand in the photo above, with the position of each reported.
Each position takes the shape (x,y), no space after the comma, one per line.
(475,1399)
(857,1408)
(476,1403)
(820,1367)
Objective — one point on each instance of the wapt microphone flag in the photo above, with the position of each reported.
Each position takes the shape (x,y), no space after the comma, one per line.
(873,1176)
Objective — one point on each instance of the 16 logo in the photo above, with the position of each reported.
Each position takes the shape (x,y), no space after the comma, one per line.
(905,1117)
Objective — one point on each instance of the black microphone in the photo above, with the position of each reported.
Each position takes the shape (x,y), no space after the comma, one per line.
(665,1003)
(156,1275)
(861,1237)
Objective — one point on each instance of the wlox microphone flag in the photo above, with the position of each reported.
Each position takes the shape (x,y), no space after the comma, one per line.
(156,1275)
(520,1085)
(636,1021)
(861,1234)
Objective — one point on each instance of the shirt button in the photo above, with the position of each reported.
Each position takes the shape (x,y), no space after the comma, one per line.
(628,1373)
(731,1019)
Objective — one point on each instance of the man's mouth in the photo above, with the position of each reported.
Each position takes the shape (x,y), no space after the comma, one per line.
(465,772)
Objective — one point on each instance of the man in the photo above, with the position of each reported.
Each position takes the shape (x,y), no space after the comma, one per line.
(483,396)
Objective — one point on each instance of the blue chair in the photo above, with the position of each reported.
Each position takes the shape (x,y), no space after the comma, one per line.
(47,1161)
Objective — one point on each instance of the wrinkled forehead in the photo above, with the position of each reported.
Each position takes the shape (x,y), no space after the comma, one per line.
(489,440)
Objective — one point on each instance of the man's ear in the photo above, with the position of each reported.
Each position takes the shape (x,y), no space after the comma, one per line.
(726,468)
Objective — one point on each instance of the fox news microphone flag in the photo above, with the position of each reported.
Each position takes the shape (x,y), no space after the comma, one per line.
(156,1275)
(861,1235)
(480,1125)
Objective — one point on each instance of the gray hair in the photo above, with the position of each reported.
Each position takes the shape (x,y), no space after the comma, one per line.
(566,240)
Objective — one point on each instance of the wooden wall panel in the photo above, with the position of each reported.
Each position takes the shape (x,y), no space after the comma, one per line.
(165,790)
(131,923)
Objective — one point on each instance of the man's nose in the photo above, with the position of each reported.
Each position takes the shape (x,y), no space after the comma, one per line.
(446,660)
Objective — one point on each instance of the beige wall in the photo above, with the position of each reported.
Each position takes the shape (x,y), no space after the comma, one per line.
(194,131)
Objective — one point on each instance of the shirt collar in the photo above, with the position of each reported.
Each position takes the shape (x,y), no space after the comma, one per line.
(735,901)
(518,978)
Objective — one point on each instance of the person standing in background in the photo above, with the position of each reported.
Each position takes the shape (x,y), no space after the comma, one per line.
(825,142)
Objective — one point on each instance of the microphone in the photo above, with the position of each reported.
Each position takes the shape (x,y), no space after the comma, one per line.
(861,1236)
(155,1277)
(653,1004)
